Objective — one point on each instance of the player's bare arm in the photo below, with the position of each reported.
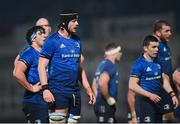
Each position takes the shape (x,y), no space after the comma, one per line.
(47,95)
(133,85)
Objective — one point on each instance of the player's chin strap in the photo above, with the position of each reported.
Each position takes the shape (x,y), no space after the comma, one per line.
(113,51)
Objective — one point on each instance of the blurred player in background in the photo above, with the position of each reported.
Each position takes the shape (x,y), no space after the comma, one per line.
(105,84)
(162,31)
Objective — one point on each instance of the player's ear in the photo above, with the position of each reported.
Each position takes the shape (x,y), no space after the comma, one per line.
(158,33)
(145,48)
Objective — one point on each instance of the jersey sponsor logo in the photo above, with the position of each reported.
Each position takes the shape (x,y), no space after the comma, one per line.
(153,78)
(148,69)
(70,55)
(62,46)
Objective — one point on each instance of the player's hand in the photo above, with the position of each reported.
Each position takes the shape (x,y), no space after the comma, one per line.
(111,101)
(155,98)
(35,88)
(92,98)
(48,96)
(175,101)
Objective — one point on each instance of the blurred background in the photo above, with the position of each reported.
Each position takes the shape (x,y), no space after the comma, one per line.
(101,21)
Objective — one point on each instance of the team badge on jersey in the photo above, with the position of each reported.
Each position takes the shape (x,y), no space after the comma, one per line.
(72,51)
(159,67)
(156,73)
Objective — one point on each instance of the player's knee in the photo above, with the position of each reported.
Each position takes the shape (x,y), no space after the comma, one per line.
(73,118)
(57,117)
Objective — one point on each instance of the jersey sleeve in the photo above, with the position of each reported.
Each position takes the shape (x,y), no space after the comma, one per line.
(80,46)
(26,57)
(48,48)
(108,69)
(136,70)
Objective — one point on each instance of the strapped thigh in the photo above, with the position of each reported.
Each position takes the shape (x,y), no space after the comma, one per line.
(73,118)
(57,117)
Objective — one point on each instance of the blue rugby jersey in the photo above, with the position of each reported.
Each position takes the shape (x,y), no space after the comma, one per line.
(164,58)
(110,68)
(63,68)
(149,74)
(30,57)
(24,48)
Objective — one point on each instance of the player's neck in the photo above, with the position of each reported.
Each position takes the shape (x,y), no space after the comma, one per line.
(36,47)
(147,57)
(155,35)
(64,33)
(110,58)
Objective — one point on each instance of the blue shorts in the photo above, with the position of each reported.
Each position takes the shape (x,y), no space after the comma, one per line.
(71,101)
(177,113)
(104,112)
(36,112)
(166,103)
(177,110)
(146,110)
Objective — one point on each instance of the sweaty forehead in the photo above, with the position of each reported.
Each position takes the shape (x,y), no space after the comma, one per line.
(166,27)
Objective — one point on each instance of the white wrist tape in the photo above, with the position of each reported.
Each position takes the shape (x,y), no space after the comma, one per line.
(111,101)
(113,51)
